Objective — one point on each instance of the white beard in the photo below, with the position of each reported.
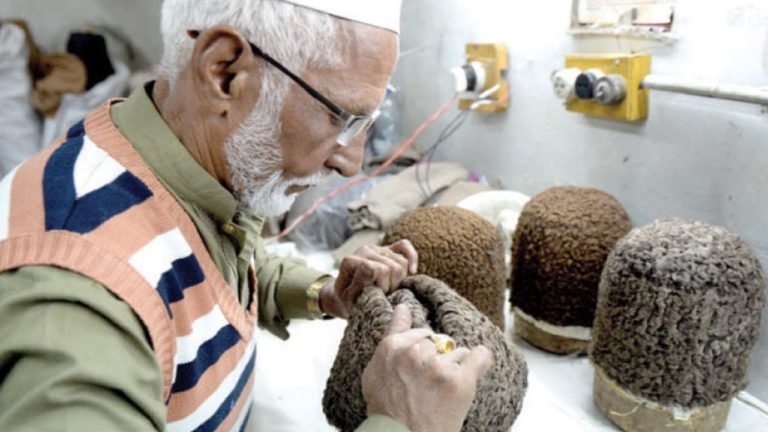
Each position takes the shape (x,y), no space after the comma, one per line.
(268,197)
(256,165)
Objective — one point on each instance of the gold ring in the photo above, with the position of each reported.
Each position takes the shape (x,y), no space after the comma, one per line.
(443,343)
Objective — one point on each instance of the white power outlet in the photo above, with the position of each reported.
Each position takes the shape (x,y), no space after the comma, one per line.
(470,79)
(564,83)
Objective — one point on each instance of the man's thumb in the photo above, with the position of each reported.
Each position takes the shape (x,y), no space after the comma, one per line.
(401,320)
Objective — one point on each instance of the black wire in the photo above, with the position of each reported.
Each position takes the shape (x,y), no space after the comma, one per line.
(446,133)
(430,151)
(444,137)
(424,191)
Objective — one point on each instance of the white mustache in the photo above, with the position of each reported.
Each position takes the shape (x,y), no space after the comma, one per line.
(312,180)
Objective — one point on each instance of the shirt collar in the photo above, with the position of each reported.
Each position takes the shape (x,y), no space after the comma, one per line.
(141,123)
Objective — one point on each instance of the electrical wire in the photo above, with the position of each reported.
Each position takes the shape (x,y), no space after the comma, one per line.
(454,125)
(425,191)
(429,153)
(400,151)
(448,133)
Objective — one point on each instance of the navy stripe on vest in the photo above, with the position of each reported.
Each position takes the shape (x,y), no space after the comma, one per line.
(63,211)
(101,205)
(184,273)
(189,374)
(229,403)
(59,183)
(76,130)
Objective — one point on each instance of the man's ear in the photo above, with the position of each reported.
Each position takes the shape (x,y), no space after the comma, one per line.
(223,67)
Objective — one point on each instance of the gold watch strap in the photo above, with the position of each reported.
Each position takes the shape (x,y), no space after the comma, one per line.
(313,297)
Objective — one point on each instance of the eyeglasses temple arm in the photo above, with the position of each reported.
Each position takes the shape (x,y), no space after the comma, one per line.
(331,106)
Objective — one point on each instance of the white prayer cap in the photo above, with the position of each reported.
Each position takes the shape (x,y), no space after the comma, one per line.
(378,13)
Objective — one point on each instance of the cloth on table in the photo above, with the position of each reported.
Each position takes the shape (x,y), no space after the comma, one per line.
(450,196)
(19,124)
(388,200)
(407,159)
(326,227)
(397,194)
(459,191)
(500,392)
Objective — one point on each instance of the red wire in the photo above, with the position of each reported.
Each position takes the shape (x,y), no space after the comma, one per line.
(403,148)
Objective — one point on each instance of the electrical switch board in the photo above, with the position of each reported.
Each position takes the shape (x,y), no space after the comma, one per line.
(495,60)
(609,86)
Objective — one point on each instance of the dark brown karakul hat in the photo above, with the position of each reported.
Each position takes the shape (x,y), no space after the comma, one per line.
(500,392)
(562,240)
(678,314)
(461,249)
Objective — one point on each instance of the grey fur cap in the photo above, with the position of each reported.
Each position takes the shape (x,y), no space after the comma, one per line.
(460,248)
(500,393)
(562,240)
(678,313)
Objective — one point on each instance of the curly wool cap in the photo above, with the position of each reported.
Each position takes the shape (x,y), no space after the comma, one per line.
(559,248)
(500,392)
(678,313)
(460,248)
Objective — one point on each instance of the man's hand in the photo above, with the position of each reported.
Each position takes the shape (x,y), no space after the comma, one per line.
(383,266)
(408,381)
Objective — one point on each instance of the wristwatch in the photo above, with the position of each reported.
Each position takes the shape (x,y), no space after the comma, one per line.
(313,297)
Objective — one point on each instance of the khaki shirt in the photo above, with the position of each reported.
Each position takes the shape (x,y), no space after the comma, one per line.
(73,357)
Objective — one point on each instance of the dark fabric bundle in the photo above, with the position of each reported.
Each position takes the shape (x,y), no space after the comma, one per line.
(499,394)
(678,313)
(559,248)
(461,249)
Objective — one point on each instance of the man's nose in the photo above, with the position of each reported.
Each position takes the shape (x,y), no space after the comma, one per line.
(347,160)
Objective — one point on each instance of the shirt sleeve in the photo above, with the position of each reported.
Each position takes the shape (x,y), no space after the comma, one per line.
(283,284)
(73,357)
(380,423)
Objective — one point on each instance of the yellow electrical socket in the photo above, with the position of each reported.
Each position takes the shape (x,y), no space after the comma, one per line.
(633,68)
(495,58)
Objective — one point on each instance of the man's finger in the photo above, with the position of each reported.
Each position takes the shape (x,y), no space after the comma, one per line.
(413,336)
(372,273)
(401,320)
(478,362)
(395,271)
(456,356)
(406,249)
(401,260)
(347,271)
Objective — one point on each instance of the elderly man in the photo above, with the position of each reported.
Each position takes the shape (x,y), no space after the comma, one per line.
(132,268)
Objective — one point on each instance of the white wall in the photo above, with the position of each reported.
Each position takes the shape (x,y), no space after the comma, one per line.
(51,21)
(694,158)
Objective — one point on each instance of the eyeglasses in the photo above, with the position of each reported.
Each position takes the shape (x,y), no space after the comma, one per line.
(352,125)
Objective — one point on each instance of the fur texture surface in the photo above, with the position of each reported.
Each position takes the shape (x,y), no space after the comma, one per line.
(460,248)
(678,313)
(559,248)
(500,392)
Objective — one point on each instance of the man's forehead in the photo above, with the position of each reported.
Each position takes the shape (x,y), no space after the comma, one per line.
(352,95)
(369,56)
